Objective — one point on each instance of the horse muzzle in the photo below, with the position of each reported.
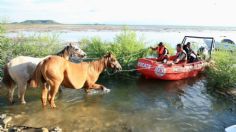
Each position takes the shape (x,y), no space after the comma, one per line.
(119,68)
(82,55)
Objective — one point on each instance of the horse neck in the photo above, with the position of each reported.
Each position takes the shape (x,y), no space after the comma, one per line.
(64,53)
(99,65)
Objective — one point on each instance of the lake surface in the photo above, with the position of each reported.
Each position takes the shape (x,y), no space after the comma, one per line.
(151,37)
(137,105)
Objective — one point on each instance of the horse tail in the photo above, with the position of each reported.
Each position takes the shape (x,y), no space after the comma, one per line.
(36,77)
(7,80)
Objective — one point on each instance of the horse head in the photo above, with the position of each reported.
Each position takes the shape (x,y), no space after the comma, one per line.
(75,50)
(112,62)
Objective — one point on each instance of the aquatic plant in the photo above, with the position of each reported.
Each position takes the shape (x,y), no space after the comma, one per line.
(222,73)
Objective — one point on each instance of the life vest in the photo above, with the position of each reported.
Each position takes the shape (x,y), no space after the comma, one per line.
(161,50)
(179,53)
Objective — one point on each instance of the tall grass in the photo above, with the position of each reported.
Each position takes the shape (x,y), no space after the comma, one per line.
(222,74)
(35,46)
(126,46)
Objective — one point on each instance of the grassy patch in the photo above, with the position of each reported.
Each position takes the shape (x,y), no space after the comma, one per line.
(223,73)
(126,46)
(35,46)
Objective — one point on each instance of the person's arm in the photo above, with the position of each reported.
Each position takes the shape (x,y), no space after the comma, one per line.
(165,52)
(194,53)
(180,58)
(153,48)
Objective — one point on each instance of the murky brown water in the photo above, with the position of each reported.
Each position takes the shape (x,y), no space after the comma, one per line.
(133,105)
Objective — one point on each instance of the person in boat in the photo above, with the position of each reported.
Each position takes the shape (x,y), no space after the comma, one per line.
(180,57)
(162,52)
(191,55)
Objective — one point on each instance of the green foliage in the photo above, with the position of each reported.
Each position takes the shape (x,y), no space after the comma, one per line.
(2,30)
(126,46)
(223,73)
(35,46)
(171,50)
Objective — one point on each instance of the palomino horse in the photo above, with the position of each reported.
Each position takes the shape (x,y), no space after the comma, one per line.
(56,71)
(20,69)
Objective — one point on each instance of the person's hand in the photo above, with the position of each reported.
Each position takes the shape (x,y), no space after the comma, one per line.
(170,63)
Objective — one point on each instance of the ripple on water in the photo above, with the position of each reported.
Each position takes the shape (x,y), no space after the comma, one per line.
(132,105)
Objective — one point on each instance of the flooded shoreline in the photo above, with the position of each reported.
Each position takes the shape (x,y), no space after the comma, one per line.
(132,105)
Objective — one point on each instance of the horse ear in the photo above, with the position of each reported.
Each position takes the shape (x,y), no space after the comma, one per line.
(108,54)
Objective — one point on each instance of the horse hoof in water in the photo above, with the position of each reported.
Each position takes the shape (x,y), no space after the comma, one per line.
(23,102)
(11,102)
(106,90)
(53,106)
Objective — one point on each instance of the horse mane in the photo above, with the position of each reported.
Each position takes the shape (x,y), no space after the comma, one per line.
(61,53)
(99,64)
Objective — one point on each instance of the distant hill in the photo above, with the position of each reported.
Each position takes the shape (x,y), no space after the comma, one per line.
(38,22)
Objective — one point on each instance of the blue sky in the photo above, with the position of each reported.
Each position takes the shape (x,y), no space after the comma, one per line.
(147,12)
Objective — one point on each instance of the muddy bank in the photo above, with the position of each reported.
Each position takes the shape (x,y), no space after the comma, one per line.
(7,124)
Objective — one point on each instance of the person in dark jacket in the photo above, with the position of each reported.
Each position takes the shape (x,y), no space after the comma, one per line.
(191,55)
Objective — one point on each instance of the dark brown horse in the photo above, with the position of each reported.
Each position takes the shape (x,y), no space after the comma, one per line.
(56,71)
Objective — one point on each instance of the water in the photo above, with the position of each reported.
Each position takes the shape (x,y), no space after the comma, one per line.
(137,105)
(151,37)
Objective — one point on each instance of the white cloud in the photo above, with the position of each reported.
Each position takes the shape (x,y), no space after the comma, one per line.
(181,12)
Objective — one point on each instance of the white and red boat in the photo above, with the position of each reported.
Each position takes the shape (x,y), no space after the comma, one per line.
(152,69)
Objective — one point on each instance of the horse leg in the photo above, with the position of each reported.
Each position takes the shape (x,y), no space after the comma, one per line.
(53,92)
(11,90)
(97,87)
(44,95)
(21,92)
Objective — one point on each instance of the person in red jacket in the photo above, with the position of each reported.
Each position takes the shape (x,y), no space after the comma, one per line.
(162,52)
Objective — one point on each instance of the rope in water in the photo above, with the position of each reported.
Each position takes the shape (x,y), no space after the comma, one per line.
(129,70)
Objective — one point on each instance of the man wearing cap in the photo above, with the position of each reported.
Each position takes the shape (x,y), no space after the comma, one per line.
(162,52)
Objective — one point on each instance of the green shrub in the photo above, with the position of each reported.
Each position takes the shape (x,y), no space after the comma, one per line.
(126,46)
(35,46)
(223,73)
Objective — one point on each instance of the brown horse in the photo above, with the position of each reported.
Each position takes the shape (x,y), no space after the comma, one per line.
(20,69)
(56,71)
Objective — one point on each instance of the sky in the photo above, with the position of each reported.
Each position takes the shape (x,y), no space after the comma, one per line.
(137,12)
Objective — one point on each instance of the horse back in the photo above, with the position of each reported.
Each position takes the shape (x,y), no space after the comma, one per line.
(75,75)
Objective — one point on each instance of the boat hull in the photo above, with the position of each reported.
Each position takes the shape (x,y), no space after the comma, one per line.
(152,69)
